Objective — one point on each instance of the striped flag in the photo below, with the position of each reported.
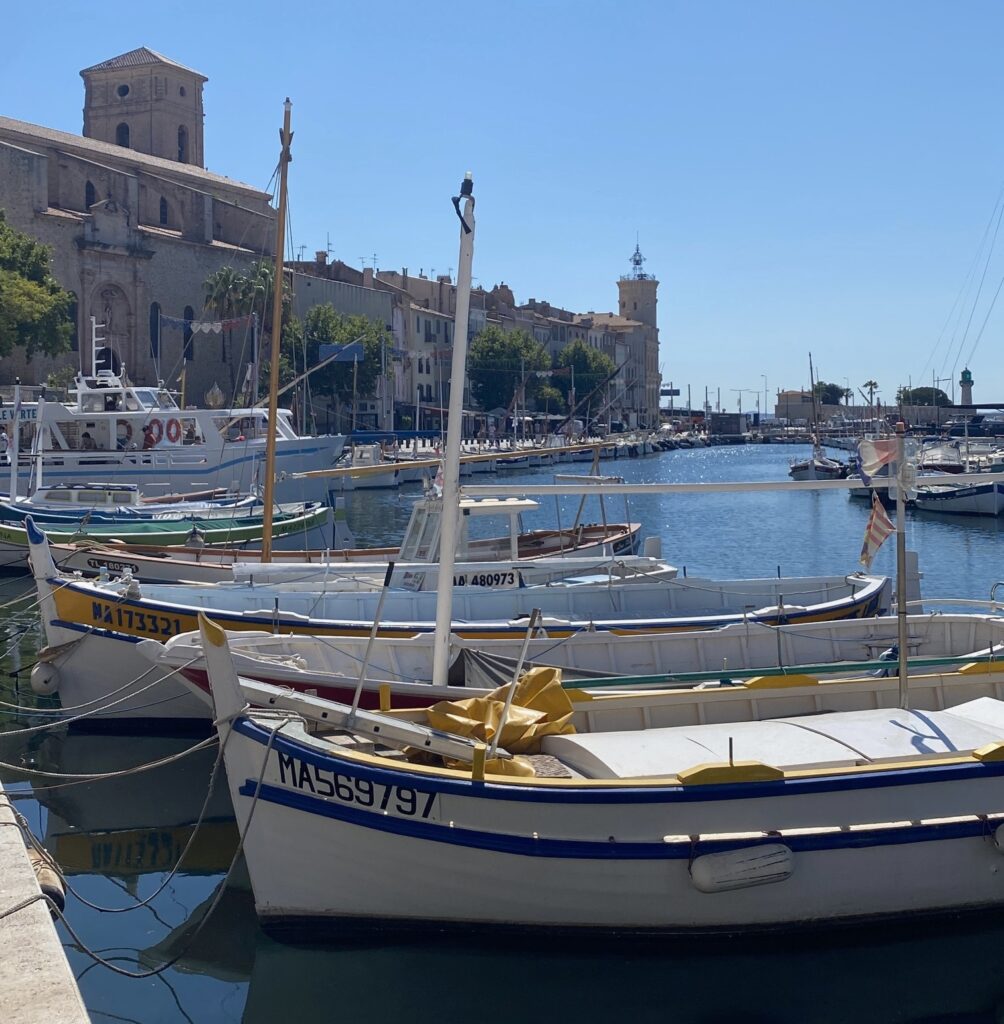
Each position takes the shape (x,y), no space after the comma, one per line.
(873,455)
(879,527)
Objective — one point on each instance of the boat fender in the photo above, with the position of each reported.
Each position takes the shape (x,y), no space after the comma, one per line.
(742,869)
(45,679)
(999,838)
(48,878)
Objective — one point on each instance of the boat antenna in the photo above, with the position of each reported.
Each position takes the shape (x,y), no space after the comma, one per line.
(454,424)
(286,137)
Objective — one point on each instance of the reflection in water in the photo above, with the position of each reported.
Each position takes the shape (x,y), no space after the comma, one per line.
(893,981)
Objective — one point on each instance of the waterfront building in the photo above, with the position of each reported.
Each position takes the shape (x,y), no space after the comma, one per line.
(135,221)
(136,224)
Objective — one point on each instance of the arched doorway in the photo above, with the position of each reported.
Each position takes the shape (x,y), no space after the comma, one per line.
(110,307)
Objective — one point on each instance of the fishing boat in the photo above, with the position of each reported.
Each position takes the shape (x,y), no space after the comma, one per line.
(740,673)
(93,624)
(492,536)
(842,818)
(819,466)
(99,435)
(962,499)
(293,525)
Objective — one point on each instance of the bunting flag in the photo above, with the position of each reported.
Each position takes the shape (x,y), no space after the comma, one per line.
(879,527)
(205,326)
(873,455)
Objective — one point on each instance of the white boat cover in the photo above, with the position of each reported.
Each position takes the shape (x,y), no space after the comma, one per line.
(839,738)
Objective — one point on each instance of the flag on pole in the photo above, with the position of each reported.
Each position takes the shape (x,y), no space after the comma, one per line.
(879,527)
(351,353)
(873,455)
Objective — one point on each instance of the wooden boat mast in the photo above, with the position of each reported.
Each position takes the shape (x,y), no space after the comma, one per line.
(273,400)
(454,429)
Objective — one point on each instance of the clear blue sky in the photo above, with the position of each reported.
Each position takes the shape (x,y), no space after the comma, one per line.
(802,176)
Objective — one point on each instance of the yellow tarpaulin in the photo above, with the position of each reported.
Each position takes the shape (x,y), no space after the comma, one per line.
(540,707)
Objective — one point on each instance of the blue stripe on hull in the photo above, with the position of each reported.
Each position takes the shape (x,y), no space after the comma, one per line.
(526,846)
(625,793)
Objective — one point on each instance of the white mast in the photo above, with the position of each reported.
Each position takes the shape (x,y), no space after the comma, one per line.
(454,423)
(15,440)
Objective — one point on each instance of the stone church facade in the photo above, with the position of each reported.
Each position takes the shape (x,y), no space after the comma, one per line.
(135,222)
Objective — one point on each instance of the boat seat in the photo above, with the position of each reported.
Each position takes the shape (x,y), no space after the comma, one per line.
(832,740)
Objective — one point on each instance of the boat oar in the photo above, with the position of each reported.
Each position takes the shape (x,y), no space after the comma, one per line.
(534,615)
(369,643)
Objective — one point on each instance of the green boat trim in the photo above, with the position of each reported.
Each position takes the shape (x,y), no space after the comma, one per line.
(161,534)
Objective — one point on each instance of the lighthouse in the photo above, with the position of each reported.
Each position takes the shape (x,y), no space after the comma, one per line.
(966,385)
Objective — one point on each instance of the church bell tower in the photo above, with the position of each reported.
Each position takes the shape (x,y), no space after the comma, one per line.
(144,101)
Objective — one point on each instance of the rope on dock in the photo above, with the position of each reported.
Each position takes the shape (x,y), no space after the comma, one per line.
(32,841)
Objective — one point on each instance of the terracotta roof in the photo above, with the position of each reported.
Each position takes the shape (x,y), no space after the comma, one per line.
(26,134)
(611,321)
(138,58)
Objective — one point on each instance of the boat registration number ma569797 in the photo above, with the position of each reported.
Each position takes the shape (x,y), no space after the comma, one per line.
(364,793)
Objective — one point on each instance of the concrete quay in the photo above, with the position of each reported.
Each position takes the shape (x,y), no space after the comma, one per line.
(36,983)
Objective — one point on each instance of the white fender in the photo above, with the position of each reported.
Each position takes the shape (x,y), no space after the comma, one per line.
(45,679)
(740,869)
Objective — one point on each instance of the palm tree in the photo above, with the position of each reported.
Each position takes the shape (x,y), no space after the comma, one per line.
(223,291)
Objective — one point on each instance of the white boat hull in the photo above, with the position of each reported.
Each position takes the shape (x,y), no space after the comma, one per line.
(160,471)
(972,500)
(412,847)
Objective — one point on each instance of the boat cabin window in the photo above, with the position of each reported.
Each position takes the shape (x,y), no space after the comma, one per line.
(421,539)
(59,494)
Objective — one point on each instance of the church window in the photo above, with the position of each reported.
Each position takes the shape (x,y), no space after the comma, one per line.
(72,313)
(182,144)
(189,348)
(636,305)
(181,90)
(155,329)
(163,211)
(90,196)
(122,135)
(123,91)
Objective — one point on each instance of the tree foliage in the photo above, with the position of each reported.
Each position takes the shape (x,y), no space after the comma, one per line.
(591,367)
(34,310)
(498,361)
(232,293)
(324,326)
(830,394)
(922,396)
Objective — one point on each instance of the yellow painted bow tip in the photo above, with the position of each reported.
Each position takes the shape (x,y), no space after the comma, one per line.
(212,633)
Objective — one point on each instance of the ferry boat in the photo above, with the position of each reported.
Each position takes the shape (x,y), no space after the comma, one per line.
(101,434)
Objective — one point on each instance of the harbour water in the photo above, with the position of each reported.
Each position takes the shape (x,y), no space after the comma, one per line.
(119,839)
